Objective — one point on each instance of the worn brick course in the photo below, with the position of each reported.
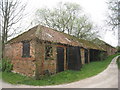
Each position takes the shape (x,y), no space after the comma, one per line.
(82,55)
(25,66)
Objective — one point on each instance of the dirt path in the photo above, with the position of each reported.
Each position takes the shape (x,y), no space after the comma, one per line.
(106,79)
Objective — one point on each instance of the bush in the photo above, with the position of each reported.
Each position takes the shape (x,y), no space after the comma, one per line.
(102,56)
(6,65)
(118,49)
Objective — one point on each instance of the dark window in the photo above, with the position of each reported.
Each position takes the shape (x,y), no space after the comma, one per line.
(48,52)
(26,49)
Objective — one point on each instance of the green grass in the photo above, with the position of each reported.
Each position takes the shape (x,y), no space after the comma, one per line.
(118,62)
(68,76)
(0,68)
(0,75)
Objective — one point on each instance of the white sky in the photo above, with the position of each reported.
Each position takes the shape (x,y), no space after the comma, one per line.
(96,9)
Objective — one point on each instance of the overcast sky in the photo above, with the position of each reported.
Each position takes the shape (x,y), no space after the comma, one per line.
(96,9)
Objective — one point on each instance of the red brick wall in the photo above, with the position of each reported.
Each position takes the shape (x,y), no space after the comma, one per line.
(21,65)
(88,55)
(41,64)
(50,64)
(82,56)
(110,50)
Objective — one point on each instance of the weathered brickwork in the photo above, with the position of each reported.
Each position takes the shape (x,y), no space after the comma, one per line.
(50,65)
(42,65)
(22,65)
(82,55)
(34,63)
(110,50)
(88,56)
(65,59)
(9,51)
(25,67)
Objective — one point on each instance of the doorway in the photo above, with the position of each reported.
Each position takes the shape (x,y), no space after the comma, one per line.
(86,56)
(73,58)
(60,59)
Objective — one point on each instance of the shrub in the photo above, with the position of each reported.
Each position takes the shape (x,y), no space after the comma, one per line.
(102,56)
(118,49)
(6,65)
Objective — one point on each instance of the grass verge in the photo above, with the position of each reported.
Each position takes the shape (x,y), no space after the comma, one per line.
(68,76)
(0,69)
(118,62)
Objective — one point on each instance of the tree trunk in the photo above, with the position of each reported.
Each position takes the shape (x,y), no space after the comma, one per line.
(3,43)
(119,23)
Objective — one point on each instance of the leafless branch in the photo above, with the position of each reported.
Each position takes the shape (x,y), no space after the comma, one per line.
(11,13)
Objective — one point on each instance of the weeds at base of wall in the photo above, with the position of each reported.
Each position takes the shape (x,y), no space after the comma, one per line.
(67,76)
(6,65)
(102,56)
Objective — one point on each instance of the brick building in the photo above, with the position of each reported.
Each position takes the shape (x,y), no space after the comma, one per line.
(42,50)
(109,49)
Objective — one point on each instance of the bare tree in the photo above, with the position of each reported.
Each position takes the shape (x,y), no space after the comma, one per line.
(0,38)
(113,16)
(11,12)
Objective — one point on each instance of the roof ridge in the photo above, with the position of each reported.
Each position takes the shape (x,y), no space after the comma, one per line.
(58,37)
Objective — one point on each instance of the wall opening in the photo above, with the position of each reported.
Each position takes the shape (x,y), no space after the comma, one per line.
(26,49)
(86,56)
(60,59)
(73,58)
